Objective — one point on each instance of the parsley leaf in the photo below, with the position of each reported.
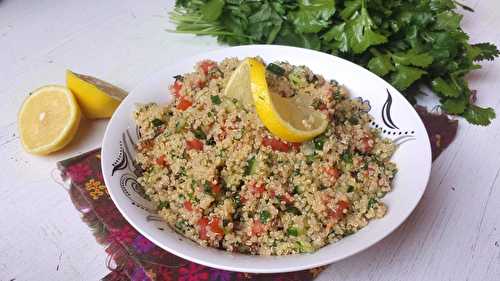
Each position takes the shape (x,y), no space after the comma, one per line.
(212,9)
(264,216)
(410,43)
(313,15)
(381,65)
(405,76)
(359,31)
(448,20)
(454,106)
(412,57)
(439,85)
(485,51)
(478,115)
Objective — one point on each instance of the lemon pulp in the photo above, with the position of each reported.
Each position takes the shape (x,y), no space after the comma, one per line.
(48,119)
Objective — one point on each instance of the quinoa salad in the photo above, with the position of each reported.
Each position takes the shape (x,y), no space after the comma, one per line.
(220,178)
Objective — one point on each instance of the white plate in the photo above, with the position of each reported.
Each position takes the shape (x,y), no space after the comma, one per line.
(390,110)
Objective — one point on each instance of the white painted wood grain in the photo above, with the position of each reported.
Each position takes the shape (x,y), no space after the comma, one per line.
(454,234)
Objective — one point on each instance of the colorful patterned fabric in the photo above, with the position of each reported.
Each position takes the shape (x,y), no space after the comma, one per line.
(135,257)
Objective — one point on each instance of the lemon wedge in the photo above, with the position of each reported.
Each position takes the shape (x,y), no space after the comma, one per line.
(286,118)
(48,119)
(97,98)
(238,86)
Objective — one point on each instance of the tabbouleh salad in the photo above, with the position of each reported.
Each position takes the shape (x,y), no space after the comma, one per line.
(219,177)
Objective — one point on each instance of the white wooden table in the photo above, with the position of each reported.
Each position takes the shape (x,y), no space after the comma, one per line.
(454,234)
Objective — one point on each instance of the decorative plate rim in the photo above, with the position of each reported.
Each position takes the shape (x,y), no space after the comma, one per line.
(387,121)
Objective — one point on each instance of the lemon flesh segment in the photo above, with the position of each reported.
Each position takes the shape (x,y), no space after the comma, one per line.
(238,86)
(283,117)
(97,98)
(48,119)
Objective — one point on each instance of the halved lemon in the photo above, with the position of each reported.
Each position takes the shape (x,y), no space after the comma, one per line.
(286,118)
(48,119)
(97,98)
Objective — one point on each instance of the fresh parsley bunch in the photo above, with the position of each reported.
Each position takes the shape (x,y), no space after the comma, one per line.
(409,43)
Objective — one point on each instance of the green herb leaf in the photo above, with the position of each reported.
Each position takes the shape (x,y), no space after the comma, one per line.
(372,201)
(479,116)
(199,134)
(439,85)
(381,65)
(294,210)
(181,224)
(405,76)
(251,165)
(350,8)
(211,141)
(179,125)
(412,57)
(408,43)
(448,20)
(212,9)
(157,122)
(312,15)
(162,205)
(347,157)
(310,159)
(207,188)
(215,100)
(275,69)
(296,189)
(292,231)
(336,38)
(360,34)
(485,51)
(288,36)
(454,106)
(264,216)
(319,142)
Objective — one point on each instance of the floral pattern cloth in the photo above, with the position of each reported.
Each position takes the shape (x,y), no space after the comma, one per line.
(138,259)
(134,256)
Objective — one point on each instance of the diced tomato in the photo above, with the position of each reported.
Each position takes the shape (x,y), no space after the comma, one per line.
(184,104)
(273,194)
(215,188)
(145,145)
(332,172)
(295,145)
(194,144)
(368,170)
(161,161)
(206,66)
(287,198)
(201,84)
(188,205)
(222,135)
(338,213)
(202,223)
(176,88)
(215,226)
(279,145)
(257,228)
(367,144)
(259,188)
